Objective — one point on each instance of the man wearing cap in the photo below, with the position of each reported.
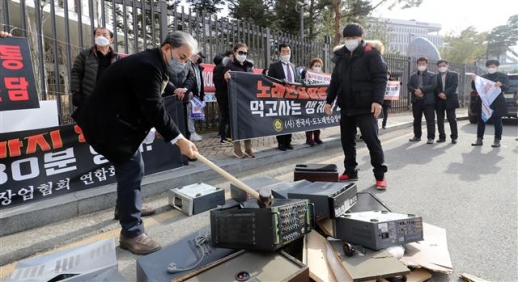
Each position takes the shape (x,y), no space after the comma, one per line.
(358,84)
(125,104)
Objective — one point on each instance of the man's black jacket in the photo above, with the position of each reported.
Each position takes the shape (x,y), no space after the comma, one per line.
(125,104)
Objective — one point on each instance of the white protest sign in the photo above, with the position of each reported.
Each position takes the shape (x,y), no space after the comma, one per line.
(393,89)
(317,77)
(487,91)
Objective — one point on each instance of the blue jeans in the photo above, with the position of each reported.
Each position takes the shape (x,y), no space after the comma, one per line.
(497,122)
(129,174)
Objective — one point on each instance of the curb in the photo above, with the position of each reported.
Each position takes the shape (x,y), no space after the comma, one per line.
(18,219)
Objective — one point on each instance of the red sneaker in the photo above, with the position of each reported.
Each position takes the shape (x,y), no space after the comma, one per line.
(346,176)
(381,184)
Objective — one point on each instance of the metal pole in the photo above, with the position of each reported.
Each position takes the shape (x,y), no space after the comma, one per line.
(302,21)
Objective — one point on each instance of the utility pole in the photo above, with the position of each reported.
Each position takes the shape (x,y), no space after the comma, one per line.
(301,5)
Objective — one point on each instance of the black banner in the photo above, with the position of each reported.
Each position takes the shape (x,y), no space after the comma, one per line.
(263,106)
(44,163)
(17,85)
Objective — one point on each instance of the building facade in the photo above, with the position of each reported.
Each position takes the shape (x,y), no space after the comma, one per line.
(402,32)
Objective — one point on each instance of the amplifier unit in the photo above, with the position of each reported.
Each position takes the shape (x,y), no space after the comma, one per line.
(252,267)
(196,198)
(239,195)
(281,190)
(331,199)
(249,227)
(379,229)
(316,172)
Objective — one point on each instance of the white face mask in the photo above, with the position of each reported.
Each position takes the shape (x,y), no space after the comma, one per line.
(352,44)
(443,69)
(491,70)
(240,58)
(421,68)
(317,69)
(285,58)
(102,41)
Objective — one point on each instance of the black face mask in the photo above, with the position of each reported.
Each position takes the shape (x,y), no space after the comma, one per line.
(199,61)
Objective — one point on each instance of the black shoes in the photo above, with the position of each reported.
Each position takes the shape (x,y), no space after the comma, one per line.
(414,139)
(441,140)
(282,147)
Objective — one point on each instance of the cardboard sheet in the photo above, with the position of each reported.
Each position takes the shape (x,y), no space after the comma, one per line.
(314,256)
(372,265)
(432,253)
(418,275)
(471,278)
(326,225)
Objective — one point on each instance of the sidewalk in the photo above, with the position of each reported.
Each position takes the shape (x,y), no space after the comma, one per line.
(210,147)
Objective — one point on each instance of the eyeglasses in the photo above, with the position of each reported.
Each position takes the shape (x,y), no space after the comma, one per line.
(242,53)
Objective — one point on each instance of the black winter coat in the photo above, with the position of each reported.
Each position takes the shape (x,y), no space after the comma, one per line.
(218,78)
(200,93)
(125,104)
(499,106)
(358,80)
(185,79)
(83,75)
(428,88)
(452,98)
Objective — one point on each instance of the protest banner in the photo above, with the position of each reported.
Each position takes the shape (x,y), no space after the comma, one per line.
(263,106)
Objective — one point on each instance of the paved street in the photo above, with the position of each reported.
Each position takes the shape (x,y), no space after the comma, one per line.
(469,191)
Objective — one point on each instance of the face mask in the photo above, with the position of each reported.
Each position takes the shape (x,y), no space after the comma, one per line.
(421,68)
(443,69)
(317,69)
(285,58)
(102,41)
(240,58)
(175,65)
(491,70)
(352,44)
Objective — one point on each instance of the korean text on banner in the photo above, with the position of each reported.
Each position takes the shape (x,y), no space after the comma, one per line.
(317,78)
(487,91)
(393,89)
(263,106)
(17,84)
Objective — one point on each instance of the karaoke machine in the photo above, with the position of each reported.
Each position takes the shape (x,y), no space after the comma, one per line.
(331,199)
(247,226)
(196,198)
(316,172)
(378,229)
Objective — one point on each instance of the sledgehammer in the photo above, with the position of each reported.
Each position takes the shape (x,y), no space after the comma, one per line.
(264,196)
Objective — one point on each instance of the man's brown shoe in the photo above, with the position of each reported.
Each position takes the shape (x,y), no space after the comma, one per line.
(145,211)
(140,245)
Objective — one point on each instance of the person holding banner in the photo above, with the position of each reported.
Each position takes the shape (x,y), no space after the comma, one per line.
(126,103)
(238,62)
(447,100)
(313,137)
(4,34)
(218,78)
(498,106)
(284,70)
(358,83)
(422,85)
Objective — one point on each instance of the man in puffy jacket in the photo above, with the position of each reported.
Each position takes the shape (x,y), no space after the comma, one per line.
(90,64)
(358,83)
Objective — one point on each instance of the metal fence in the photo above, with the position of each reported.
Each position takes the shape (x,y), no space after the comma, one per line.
(59,29)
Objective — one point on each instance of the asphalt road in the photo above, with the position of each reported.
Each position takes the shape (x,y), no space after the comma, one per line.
(469,191)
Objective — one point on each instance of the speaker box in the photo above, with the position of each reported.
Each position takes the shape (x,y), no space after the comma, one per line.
(316,172)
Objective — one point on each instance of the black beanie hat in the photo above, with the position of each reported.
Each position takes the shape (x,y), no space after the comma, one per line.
(353,29)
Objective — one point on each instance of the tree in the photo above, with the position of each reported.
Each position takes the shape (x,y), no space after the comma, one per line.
(256,12)
(206,6)
(466,48)
(287,18)
(348,11)
(501,37)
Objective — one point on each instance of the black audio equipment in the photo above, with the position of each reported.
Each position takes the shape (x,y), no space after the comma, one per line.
(280,190)
(378,229)
(331,199)
(247,226)
(239,195)
(316,172)
(185,254)
(252,267)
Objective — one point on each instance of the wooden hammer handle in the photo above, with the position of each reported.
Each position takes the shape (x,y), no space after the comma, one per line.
(228,176)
